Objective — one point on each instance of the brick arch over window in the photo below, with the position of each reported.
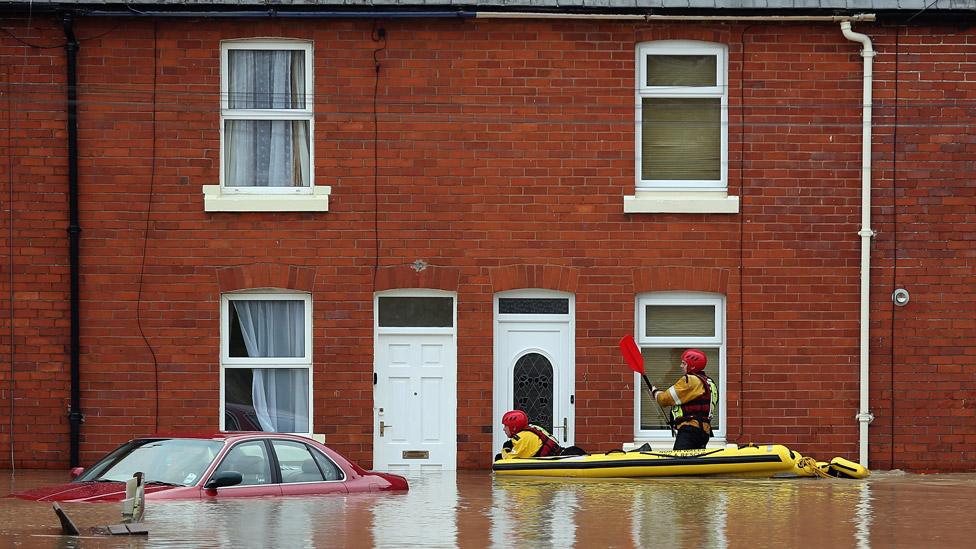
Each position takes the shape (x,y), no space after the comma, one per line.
(266,275)
(406,276)
(550,277)
(686,279)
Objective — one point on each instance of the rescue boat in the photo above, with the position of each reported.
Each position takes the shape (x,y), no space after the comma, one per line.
(766,460)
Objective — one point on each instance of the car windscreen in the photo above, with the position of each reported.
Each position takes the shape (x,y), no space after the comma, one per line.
(170,461)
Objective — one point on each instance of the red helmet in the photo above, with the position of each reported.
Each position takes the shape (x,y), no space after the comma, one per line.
(695,360)
(516,420)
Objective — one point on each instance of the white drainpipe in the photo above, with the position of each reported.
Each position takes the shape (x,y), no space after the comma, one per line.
(864,415)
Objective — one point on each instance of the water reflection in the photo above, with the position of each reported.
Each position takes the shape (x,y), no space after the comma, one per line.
(475,509)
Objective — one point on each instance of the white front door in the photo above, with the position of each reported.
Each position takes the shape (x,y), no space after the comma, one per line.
(415,394)
(535,361)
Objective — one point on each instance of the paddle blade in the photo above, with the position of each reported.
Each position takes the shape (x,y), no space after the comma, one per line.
(632,354)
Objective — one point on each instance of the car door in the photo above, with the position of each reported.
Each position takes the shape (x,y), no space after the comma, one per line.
(305,471)
(252,460)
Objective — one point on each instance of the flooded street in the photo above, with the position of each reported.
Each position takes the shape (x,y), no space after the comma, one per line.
(475,509)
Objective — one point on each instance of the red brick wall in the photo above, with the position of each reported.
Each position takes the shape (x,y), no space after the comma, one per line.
(505,150)
(33,176)
(924,352)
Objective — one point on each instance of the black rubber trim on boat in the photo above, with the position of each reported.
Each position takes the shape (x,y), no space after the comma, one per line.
(621,464)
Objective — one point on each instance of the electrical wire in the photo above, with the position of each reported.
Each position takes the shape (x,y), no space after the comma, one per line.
(10,270)
(742,240)
(377,34)
(145,238)
(894,241)
(57,46)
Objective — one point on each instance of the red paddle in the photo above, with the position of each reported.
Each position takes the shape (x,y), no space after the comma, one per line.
(634,358)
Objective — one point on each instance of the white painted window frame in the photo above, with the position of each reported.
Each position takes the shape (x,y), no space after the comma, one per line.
(681,196)
(719,340)
(228,362)
(224,198)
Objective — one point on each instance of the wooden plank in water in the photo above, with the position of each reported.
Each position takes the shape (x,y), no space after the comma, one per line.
(68,528)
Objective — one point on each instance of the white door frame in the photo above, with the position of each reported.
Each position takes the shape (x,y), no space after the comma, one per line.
(564,374)
(448,402)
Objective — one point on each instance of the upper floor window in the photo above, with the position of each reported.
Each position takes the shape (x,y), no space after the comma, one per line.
(266,130)
(682,123)
(668,323)
(266,111)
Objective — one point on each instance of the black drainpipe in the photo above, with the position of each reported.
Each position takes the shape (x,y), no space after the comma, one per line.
(75,417)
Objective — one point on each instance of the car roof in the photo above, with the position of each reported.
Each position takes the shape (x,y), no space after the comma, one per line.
(227,436)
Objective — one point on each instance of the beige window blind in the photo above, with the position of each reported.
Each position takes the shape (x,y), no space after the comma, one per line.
(681,70)
(681,138)
(662,365)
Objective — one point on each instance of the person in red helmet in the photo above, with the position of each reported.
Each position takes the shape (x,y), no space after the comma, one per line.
(693,400)
(529,440)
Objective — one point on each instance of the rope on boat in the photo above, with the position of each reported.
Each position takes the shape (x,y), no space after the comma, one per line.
(809,465)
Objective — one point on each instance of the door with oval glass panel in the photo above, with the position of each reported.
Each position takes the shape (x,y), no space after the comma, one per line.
(535,361)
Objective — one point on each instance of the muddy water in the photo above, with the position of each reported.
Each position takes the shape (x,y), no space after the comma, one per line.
(475,509)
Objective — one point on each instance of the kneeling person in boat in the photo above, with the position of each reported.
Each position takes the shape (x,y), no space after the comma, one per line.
(529,440)
(693,399)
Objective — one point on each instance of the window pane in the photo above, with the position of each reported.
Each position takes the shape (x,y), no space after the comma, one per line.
(266,79)
(536,306)
(267,328)
(681,138)
(679,321)
(250,459)
(681,70)
(416,312)
(239,414)
(266,153)
(533,390)
(296,462)
(266,399)
(328,467)
(663,368)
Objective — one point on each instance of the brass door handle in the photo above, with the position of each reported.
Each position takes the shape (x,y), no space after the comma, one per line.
(383,426)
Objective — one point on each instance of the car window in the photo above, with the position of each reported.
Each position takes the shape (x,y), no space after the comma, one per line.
(250,459)
(173,461)
(329,468)
(296,462)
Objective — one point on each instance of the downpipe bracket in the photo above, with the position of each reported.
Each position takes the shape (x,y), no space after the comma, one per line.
(865,417)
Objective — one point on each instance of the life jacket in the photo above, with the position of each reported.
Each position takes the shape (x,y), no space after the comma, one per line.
(701,408)
(549,445)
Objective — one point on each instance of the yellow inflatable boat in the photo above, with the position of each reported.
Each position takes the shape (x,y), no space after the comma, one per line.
(766,460)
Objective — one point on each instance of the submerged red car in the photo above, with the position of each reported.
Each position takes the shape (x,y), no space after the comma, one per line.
(219,465)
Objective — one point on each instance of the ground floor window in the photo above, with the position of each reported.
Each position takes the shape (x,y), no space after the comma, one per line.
(668,323)
(266,362)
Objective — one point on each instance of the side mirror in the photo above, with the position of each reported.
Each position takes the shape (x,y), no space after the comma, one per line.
(76,472)
(224,478)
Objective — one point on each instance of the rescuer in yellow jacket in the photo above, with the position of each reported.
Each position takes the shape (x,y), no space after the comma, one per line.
(693,400)
(529,440)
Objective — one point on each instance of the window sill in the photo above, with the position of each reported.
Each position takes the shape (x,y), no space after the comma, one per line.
(214,200)
(681,202)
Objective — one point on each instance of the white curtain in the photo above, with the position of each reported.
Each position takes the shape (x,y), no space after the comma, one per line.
(266,153)
(276,329)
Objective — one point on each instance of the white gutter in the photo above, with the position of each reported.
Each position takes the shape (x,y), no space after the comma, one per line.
(637,17)
(864,415)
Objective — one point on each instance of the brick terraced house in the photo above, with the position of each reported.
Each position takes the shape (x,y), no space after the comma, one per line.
(383,224)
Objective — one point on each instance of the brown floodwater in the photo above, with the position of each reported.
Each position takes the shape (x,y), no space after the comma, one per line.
(477,509)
